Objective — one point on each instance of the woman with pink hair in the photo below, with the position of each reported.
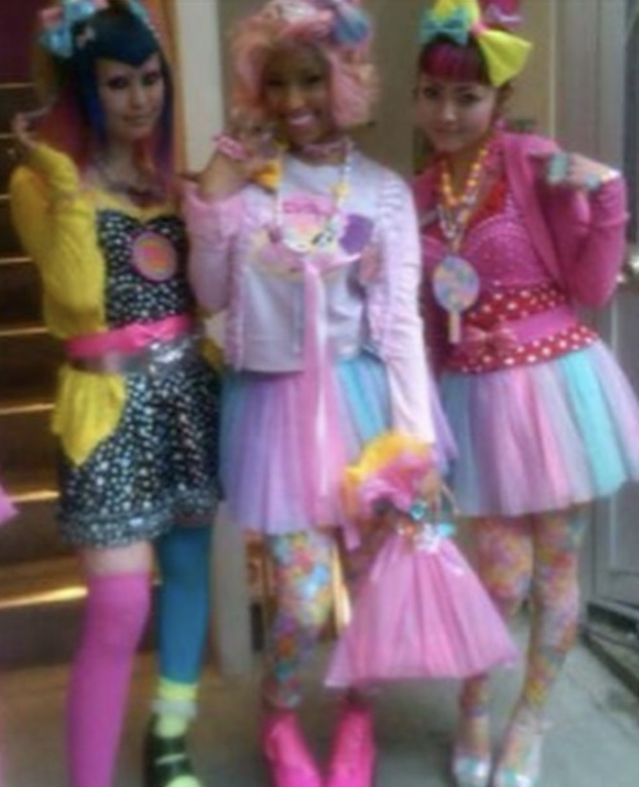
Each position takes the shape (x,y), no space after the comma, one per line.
(315,258)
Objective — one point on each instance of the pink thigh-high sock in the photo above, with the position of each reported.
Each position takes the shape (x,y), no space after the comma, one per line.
(116,611)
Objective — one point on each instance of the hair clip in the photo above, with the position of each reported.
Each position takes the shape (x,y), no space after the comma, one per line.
(83,38)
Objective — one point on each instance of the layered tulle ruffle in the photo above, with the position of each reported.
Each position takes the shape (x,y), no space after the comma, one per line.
(542,437)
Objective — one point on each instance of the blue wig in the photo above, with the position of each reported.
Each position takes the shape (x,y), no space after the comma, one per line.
(116,33)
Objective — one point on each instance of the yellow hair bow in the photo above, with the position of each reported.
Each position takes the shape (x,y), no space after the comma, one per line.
(459,20)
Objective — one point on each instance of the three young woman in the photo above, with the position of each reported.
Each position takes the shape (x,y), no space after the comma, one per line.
(316,261)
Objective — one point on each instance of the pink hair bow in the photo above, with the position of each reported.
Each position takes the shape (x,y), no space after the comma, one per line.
(500,341)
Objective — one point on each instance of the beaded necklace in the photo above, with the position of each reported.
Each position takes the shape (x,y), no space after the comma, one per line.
(328,234)
(455,281)
(454,212)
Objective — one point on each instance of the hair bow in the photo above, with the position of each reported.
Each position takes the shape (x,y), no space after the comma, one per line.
(460,20)
(352,24)
(455,27)
(58,23)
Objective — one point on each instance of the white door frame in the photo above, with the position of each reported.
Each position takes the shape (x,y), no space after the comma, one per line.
(590,117)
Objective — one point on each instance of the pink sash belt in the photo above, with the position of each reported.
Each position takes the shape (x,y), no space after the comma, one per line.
(129,339)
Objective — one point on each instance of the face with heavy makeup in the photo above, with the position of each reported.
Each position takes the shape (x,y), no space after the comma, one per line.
(132,98)
(455,116)
(296,94)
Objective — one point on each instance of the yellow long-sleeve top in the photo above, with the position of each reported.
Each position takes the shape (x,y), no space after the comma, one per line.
(54,213)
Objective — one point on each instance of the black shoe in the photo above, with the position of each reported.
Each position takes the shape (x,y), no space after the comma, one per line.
(165,759)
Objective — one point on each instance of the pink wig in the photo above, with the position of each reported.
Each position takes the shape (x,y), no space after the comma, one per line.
(353,79)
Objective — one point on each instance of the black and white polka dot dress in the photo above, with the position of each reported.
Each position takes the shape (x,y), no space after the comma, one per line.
(159,468)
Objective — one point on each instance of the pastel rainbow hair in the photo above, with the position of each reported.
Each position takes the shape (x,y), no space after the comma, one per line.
(338,29)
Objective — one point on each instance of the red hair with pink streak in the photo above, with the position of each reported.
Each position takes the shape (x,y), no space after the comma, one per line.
(353,78)
(443,59)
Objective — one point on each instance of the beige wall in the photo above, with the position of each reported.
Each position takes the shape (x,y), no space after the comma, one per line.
(391,137)
(198,43)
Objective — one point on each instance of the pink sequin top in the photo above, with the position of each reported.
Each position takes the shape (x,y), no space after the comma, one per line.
(525,312)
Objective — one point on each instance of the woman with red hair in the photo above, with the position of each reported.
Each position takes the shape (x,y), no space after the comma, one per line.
(516,235)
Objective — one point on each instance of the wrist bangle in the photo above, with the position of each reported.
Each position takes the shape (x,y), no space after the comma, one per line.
(611,174)
(557,167)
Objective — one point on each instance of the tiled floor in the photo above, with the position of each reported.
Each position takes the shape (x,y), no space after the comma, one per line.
(594,741)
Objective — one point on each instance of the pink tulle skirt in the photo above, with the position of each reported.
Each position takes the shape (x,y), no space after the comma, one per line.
(543,437)
(420,612)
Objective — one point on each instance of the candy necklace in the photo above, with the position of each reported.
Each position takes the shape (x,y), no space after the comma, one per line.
(328,234)
(455,281)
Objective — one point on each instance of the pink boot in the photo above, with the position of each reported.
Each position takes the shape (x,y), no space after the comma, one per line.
(289,762)
(353,753)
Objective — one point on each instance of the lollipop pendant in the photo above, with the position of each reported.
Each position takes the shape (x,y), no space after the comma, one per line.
(456,289)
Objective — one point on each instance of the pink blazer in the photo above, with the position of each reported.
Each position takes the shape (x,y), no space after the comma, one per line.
(580,238)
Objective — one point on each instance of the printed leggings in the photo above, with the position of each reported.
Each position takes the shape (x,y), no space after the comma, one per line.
(302,565)
(534,557)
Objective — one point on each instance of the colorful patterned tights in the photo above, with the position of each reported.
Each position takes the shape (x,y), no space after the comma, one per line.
(302,563)
(534,557)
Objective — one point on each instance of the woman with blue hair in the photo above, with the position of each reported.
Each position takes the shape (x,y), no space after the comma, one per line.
(137,406)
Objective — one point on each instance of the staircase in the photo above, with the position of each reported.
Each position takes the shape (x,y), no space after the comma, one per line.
(40,589)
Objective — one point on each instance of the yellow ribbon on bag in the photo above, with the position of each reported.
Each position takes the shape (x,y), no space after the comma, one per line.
(460,20)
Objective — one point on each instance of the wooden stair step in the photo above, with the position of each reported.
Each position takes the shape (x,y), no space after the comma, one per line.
(26,441)
(8,160)
(30,359)
(40,604)
(9,243)
(32,534)
(15,97)
(54,579)
(38,484)
(20,298)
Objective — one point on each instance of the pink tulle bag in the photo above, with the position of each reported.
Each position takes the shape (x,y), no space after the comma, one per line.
(419,611)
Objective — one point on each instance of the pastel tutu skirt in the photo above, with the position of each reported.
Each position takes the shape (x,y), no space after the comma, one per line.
(420,612)
(283,457)
(542,437)
(282,460)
